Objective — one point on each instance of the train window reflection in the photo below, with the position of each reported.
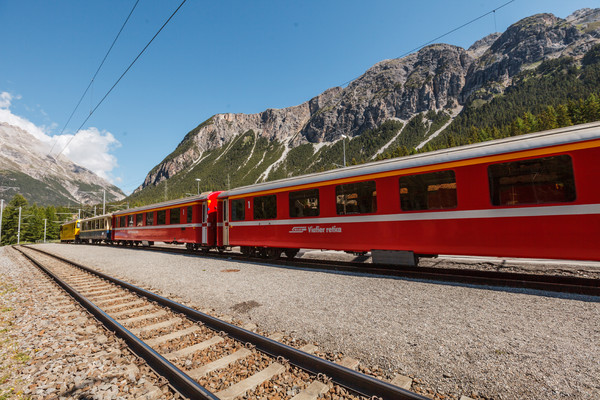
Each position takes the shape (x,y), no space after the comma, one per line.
(237,210)
(356,198)
(304,203)
(265,207)
(174,215)
(149,218)
(139,220)
(432,191)
(189,214)
(536,181)
(161,217)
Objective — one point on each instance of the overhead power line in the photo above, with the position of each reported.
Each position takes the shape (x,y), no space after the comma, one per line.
(448,33)
(96,74)
(122,75)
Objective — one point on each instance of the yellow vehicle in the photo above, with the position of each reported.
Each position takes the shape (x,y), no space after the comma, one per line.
(69,231)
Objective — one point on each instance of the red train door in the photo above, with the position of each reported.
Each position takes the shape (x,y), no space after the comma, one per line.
(204,223)
(226,222)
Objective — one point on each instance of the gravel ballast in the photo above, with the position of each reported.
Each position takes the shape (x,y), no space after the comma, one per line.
(457,339)
(51,348)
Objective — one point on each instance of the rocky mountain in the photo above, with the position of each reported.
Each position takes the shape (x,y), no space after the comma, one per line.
(399,102)
(26,168)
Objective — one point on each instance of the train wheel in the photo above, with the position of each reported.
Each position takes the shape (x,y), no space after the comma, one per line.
(273,253)
(189,246)
(291,253)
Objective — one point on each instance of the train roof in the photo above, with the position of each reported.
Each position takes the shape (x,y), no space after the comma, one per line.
(97,217)
(571,134)
(191,199)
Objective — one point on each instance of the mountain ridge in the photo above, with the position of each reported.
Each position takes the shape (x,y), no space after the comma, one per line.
(26,168)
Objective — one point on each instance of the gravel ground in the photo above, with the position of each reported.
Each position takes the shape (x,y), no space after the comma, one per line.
(50,348)
(459,340)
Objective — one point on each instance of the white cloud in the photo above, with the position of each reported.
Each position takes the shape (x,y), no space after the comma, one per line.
(90,148)
(5,100)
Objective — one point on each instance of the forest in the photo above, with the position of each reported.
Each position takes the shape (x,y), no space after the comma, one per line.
(33,219)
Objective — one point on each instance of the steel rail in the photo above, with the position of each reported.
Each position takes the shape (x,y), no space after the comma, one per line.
(353,380)
(180,381)
(551,283)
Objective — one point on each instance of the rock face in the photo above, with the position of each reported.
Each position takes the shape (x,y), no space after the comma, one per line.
(437,77)
(25,168)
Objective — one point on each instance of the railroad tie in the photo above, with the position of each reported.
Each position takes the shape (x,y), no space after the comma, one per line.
(312,392)
(349,362)
(309,348)
(402,381)
(102,296)
(132,310)
(171,336)
(277,336)
(134,302)
(186,351)
(157,314)
(251,382)
(148,328)
(219,364)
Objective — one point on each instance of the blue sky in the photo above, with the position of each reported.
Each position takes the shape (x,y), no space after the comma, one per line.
(213,57)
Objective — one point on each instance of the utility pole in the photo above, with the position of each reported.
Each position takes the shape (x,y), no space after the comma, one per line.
(104,203)
(19,228)
(79,214)
(344,144)
(1,209)
(45,220)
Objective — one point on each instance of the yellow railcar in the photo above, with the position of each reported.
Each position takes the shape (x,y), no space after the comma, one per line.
(69,231)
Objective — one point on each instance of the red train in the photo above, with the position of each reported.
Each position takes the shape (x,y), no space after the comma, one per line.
(534,195)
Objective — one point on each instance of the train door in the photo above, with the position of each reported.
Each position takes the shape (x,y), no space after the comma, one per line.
(204,223)
(226,222)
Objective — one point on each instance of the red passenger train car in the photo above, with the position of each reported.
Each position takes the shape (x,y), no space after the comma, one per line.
(536,195)
(191,221)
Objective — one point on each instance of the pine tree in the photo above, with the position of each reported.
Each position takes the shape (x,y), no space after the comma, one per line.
(11,219)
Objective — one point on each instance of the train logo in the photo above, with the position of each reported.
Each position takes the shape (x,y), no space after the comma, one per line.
(316,229)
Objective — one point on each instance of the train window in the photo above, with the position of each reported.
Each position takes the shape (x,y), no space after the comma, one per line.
(304,203)
(122,221)
(265,207)
(139,220)
(433,191)
(150,218)
(174,215)
(130,220)
(237,210)
(537,181)
(356,198)
(161,217)
(189,214)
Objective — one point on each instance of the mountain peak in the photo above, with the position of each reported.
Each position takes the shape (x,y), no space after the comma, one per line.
(41,178)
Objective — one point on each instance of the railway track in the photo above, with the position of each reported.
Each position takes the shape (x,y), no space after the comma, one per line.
(204,357)
(552,283)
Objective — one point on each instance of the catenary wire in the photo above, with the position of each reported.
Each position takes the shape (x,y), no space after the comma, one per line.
(447,33)
(121,77)
(96,74)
